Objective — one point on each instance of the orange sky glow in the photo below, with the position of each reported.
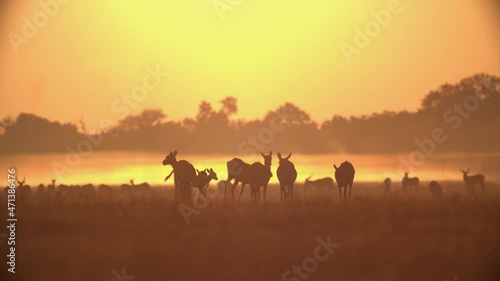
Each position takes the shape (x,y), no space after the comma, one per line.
(88,54)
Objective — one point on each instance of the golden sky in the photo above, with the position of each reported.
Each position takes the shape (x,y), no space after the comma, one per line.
(91,53)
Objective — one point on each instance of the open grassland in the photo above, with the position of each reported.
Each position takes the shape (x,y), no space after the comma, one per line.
(404,236)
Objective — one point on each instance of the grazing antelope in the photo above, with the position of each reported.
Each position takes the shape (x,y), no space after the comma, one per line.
(388,185)
(472,181)
(184,174)
(40,188)
(286,175)
(202,181)
(104,188)
(51,187)
(408,183)
(318,184)
(436,190)
(257,174)
(344,175)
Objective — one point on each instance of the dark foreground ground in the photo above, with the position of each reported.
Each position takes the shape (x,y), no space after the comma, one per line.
(401,237)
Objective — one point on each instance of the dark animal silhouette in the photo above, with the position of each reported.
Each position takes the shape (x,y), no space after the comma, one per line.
(286,175)
(318,184)
(472,181)
(23,189)
(184,174)
(142,186)
(436,190)
(262,175)
(127,187)
(52,187)
(104,188)
(202,181)
(245,173)
(344,175)
(409,183)
(40,189)
(388,185)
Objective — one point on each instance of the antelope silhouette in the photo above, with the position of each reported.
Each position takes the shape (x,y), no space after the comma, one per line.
(344,175)
(141,186)
(254,174)
(436,189)
(261,176)
(388,185)
(472,181)
(127,187)
(408,183)
(318,184)
(51,187)
(104,188)
(286,175)
(202,181)
(184,174)
(23,188)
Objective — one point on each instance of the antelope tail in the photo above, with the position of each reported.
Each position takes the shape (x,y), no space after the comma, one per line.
(166,179)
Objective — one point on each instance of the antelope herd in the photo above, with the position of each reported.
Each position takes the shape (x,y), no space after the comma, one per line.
(256,175)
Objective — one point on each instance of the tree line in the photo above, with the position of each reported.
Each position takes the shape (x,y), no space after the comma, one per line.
(468,111)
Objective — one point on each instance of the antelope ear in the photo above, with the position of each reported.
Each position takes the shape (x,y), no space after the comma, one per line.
(335,166)
(270,153)
(262,154)
(289,155)
(175,153)
(279,155)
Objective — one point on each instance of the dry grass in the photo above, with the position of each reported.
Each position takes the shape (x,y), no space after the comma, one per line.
(402,237)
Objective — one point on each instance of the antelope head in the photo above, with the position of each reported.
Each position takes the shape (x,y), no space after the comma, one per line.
(131,182)
(464,172)
(284,159)
(267,158)
(170,159)
(21,183)
(212,174)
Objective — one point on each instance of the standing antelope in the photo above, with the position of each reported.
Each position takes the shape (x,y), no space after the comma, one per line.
(436,189)
(184,174)
(256,174)
(471,181)
(344,175)
(51,187)
(23,189)
(202,181)
(388,185)
(286,175)
(318,184)
(408,183)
